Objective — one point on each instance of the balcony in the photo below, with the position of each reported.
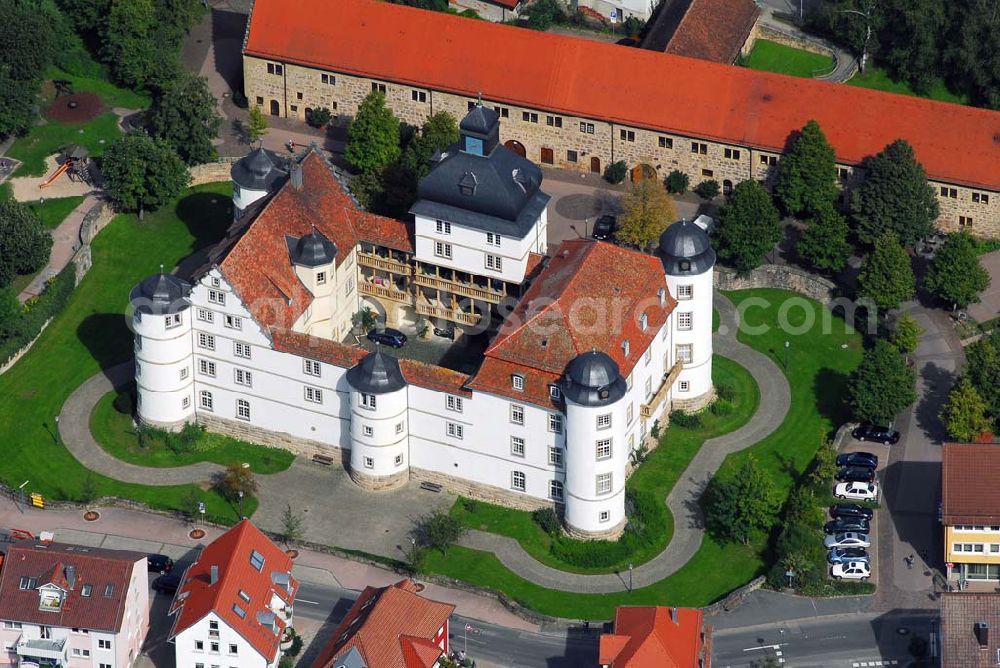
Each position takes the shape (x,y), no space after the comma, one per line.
(649,408)
(384,291)
(39,653)
(452,314)
(464,288)
(384,263)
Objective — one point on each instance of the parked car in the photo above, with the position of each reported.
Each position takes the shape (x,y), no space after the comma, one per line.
(167,584)
(851,570)
(855,474)
(605,227)
(850,510)
(870,432)
(858,459)
(844,524)
(847,539)
(839,555)
(159,563)
(857,491)
(387,337)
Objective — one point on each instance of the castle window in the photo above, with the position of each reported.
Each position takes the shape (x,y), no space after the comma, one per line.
(951,193)
(205,399)
(206,368)
(399,428)
(587,128)
(685,291)
(138,342)
(980,198)
(649,388)
(965,221)
(629,413)
(377,87)
(626,349)
(206,316)
(275,68)
(328,79)
(260,101)
(662,295)
(243,409)
(571,156)
(555,490)
(368,401)
(684,353)
(173,320)
(243,377)
(314,395)
(604,483)
(731,154)
(555,392)
(320,277)
(369,462)
(843,173)
(398,461)
(517,382)
(492,239)
(698,147)
(453,403)
(494,262)
(241,349)
(604,449)
(708,173)
(418,96)
(555,456)
(684,320)
(666,142)
(234,322)
(206,341)
(185,372)
(604,421)
(185,402)
(311,368)
(442,227)
(442,250)
(369,430)
(647,357)
(517,446)
(604,516)
(554,121)
(684,386)
(517,414)
(529,117)
(502,112)
(644,322)
(217,297)
(517,481)
(454,430)
(555,423)
(627,135)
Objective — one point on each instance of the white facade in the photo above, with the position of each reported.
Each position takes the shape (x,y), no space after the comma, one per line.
(212,642)
(692,332)
(244,197)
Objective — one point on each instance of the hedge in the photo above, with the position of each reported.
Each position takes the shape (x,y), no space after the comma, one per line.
(38,311)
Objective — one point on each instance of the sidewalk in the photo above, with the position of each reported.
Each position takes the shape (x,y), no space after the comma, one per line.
(65,241)
(119,528)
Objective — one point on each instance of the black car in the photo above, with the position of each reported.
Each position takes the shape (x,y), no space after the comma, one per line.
(843,524)
(850,510)
(159,563)
(865,459)
(167,584)
(387,337)
(856,474)
(870,432)
(605,227)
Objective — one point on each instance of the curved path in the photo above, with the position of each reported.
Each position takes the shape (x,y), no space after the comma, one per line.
(74,429)
(682,501)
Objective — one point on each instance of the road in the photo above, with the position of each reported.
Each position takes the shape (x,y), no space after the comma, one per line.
(851,640)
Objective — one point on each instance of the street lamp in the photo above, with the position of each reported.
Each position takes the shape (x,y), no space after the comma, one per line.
(21,490)
(868,32)
(787,344)
(58,438)
(239,493)
(630,578)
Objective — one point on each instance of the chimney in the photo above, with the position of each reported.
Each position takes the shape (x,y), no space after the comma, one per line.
(673,615)
(982,631)
(214,575)
(71,576)
(296,175)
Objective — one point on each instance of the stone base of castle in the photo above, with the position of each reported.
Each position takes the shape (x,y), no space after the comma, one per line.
(614,533)
(379,483)
(479,491)
(694,403)
(248,432)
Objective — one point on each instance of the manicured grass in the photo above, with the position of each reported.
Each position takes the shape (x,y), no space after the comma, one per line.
(115,432)
(112,95)
(715,320)
(877,78)
(91,334)
(821,357)
(773,57)
(656,475)
(44,140)
(54,211)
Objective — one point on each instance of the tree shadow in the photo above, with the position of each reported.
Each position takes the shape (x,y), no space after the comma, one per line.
(207,216)
(830,390)
(937,384)
(228,29)
(107,338)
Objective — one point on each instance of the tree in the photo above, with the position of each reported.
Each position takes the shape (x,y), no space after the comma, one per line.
(319,118)
(824,244)
(972,44)
(373,135)
(256,125)
(236,479)
(912,42)
(30,35)
(677,182)
(964,414)
(291,525)
(437,530)
(437,133)
(894,197)
(982,366)
(129,45)
(740,503)
(708,189)
(886,277)
(24,242)
(141,173)
(86,15)
(856,24)
(955,275)
(648,210)
(906,334)
(882,385)
(749,226)
(186,116)
(17,103)
(543,13)
(806,181)
(10,312)
(616,172)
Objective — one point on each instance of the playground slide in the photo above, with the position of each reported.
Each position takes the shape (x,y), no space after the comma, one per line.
(62,168)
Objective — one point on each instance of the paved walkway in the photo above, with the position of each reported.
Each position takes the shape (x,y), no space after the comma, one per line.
(65,241)
(682,501)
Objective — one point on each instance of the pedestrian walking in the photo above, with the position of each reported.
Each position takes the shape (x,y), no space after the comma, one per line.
(909,561)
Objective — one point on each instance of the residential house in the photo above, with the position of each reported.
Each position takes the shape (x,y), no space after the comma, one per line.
(970,630)
(716,30)
(970,512)
(657,636)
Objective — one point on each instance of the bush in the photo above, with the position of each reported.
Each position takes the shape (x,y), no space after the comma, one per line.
(296,646)
(548,520)
(240,99)
(190,435)
(542,14)
(615,172)
(685,419)
(124,402)
(319,118)
(677,182)
(438,531)
(726,391)
(721,407)
(707,189)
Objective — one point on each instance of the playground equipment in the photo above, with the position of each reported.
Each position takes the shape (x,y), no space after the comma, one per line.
(76,161)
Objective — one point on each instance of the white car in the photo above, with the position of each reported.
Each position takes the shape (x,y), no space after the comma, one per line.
(847,539)
(858,491)
(852,570)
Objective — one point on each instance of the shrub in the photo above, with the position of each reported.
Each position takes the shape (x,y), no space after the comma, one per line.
(296,646)
(286,662)
(548,520)
(677,182)
(319,118)
(726,391)
(708,189)
(470,505)
(615,172)
(437,530)
(124,403)
(721,407)
(190,435)
(240,99)
(685,419)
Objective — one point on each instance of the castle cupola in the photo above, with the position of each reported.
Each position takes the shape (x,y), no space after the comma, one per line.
(480,130)
(312,250)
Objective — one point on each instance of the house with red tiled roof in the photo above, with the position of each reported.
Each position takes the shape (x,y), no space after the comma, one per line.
(716,30)
(70,605)
(389,627)
(657,637)
(969,629)
(970,513)
(234,603)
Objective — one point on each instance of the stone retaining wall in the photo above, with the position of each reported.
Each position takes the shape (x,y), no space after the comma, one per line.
(796,41)
(245,431)
(735,597)
(211,172)
(20,353)
(778,276)
(479,491)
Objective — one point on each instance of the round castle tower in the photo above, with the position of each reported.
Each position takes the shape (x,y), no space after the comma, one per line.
(595,501)
(255,175)
(163,375)
(689,262)
(379,429)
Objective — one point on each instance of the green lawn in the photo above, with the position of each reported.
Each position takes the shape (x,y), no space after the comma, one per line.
(773,57)
(91,334)
(44,140)
(115,432)
(877,78)
(112,95)
(656,475)
(817,371)
(54,211)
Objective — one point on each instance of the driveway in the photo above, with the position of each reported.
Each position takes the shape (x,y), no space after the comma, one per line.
(989,301)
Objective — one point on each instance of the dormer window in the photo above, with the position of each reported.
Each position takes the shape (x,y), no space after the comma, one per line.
(644,322)
(467,184)
(554,392)
(662,294)
(517,382)
(684,265)
(27,582)
(320,277)
(626,348)
(50,600)
(86,590)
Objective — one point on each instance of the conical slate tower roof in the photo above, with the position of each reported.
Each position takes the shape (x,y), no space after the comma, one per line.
(259,169)
(160,294)
(686,249)
(377,373)
(593,379)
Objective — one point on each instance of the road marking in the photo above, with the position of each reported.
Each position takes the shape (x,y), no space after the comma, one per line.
(750,649)
(302,600)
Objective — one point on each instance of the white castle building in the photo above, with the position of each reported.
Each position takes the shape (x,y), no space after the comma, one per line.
(589,346)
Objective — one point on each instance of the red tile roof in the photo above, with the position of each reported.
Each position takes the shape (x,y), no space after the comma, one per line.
(589,296)
(959,613)
(648,637)
(257,265)
(231,551)
(673,94)
(94,567)
(969,490)
(714,30)
(392,627)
